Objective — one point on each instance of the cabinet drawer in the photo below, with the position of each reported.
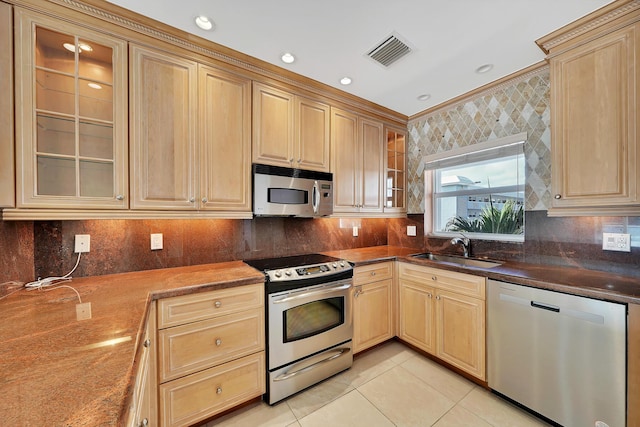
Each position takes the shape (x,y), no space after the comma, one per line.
(193,398)
(372,273)
(466,284)
(195,346)
(205,305)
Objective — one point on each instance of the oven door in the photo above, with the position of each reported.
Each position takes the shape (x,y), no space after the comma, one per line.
(307,320)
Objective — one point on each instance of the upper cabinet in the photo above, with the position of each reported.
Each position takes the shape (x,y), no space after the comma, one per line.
(396,181)
(71,116)
(190,135)
(357,163)
(595,78)
(7,164)
(289,130)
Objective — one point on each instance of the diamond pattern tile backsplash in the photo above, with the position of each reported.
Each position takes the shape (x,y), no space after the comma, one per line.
(519,105)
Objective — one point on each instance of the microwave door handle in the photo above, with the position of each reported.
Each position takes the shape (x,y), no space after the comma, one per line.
(315,198)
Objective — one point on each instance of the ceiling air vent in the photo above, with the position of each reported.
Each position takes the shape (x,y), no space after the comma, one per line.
(389,50)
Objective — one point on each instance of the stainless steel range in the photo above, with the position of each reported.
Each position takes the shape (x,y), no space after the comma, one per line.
(309,320)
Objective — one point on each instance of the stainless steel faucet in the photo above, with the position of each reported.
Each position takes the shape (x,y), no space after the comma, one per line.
(465,242)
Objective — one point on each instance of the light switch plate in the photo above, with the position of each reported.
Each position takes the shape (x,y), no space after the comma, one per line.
(355,231)
(411,230)
(616,242)
(156,241)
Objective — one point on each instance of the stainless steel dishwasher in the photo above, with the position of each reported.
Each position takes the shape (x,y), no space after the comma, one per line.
(562,356)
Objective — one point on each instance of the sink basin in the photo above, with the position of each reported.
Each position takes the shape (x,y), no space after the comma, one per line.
(458,260)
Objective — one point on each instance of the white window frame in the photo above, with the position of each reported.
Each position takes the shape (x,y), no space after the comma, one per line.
(472,153)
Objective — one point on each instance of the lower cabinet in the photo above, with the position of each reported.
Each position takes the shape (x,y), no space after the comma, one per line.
(372,305)
(210,353)
(443,313)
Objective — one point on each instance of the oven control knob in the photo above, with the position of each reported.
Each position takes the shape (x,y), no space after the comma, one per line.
(335,265)
(288,272)
(278,273)
(341,263)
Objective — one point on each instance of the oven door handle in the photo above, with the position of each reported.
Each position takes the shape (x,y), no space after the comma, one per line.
(312,293)
(337,353)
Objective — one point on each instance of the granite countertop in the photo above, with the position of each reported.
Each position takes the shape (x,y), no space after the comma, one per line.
(57,371)
(573,280)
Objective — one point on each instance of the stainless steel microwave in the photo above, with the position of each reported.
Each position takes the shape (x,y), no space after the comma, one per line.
(280,191)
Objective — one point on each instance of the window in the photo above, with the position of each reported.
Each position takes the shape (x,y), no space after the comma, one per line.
(479,190)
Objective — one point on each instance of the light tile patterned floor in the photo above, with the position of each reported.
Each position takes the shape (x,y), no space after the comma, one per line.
(388,386)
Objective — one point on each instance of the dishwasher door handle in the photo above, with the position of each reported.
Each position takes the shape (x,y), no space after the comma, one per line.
(545,306)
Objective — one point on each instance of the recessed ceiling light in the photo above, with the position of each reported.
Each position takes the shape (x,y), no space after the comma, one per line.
(424,97)
(288,58)
(94,85)
(345,81)
(484,68)
(204,22)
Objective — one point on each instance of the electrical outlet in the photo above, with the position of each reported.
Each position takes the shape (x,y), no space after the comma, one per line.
(355,231)
(82,243)
(616,242)
(156,241)
(411,230)
(83,311)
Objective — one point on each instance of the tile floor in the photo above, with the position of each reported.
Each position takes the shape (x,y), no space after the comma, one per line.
(389,386)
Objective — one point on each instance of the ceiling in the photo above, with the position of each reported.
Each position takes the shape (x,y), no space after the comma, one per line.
(330,39)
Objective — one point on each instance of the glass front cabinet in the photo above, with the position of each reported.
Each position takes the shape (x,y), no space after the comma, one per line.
(395,185)
(71,116)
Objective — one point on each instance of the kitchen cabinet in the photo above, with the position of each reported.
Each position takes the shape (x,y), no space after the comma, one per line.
(395,182)
(190,135)
(373,313)
(633,366)
(71,115)
(144,403)
(210,353)
(357,163)
(595,88)
(443,313)
(7,163)
(289,130)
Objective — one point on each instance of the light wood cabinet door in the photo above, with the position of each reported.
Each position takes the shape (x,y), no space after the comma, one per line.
(460,332)
(373,171)
(163,90)
(7,143)
(373,314)
(312,135)
(395,195)
(345,160)
(273,126)
(71,115)
(417,315)
(144,409)
(595,149)
(225,141)
(357,163)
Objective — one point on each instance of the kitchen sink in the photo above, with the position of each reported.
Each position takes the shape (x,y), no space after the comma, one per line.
(458,260)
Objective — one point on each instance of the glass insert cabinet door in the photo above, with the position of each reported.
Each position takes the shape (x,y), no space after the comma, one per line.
(71,135)
(395,194)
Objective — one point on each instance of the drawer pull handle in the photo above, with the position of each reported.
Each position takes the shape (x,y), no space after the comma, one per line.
(217,304)
(219,390)
(144,423)
(147,343)
(218,342)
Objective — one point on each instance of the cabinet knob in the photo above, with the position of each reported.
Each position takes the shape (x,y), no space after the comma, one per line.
(204,200)
(119,197)
(147,343)
(219,390)
(557,196)
(373,273)
(218,342)
(429,295)
(192,200)
(438,297)
(217,304)
(291,160)
(144,423)
(299,160)
(434,278)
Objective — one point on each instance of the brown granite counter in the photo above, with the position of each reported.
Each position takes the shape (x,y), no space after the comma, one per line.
(57,371)
(573,280)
